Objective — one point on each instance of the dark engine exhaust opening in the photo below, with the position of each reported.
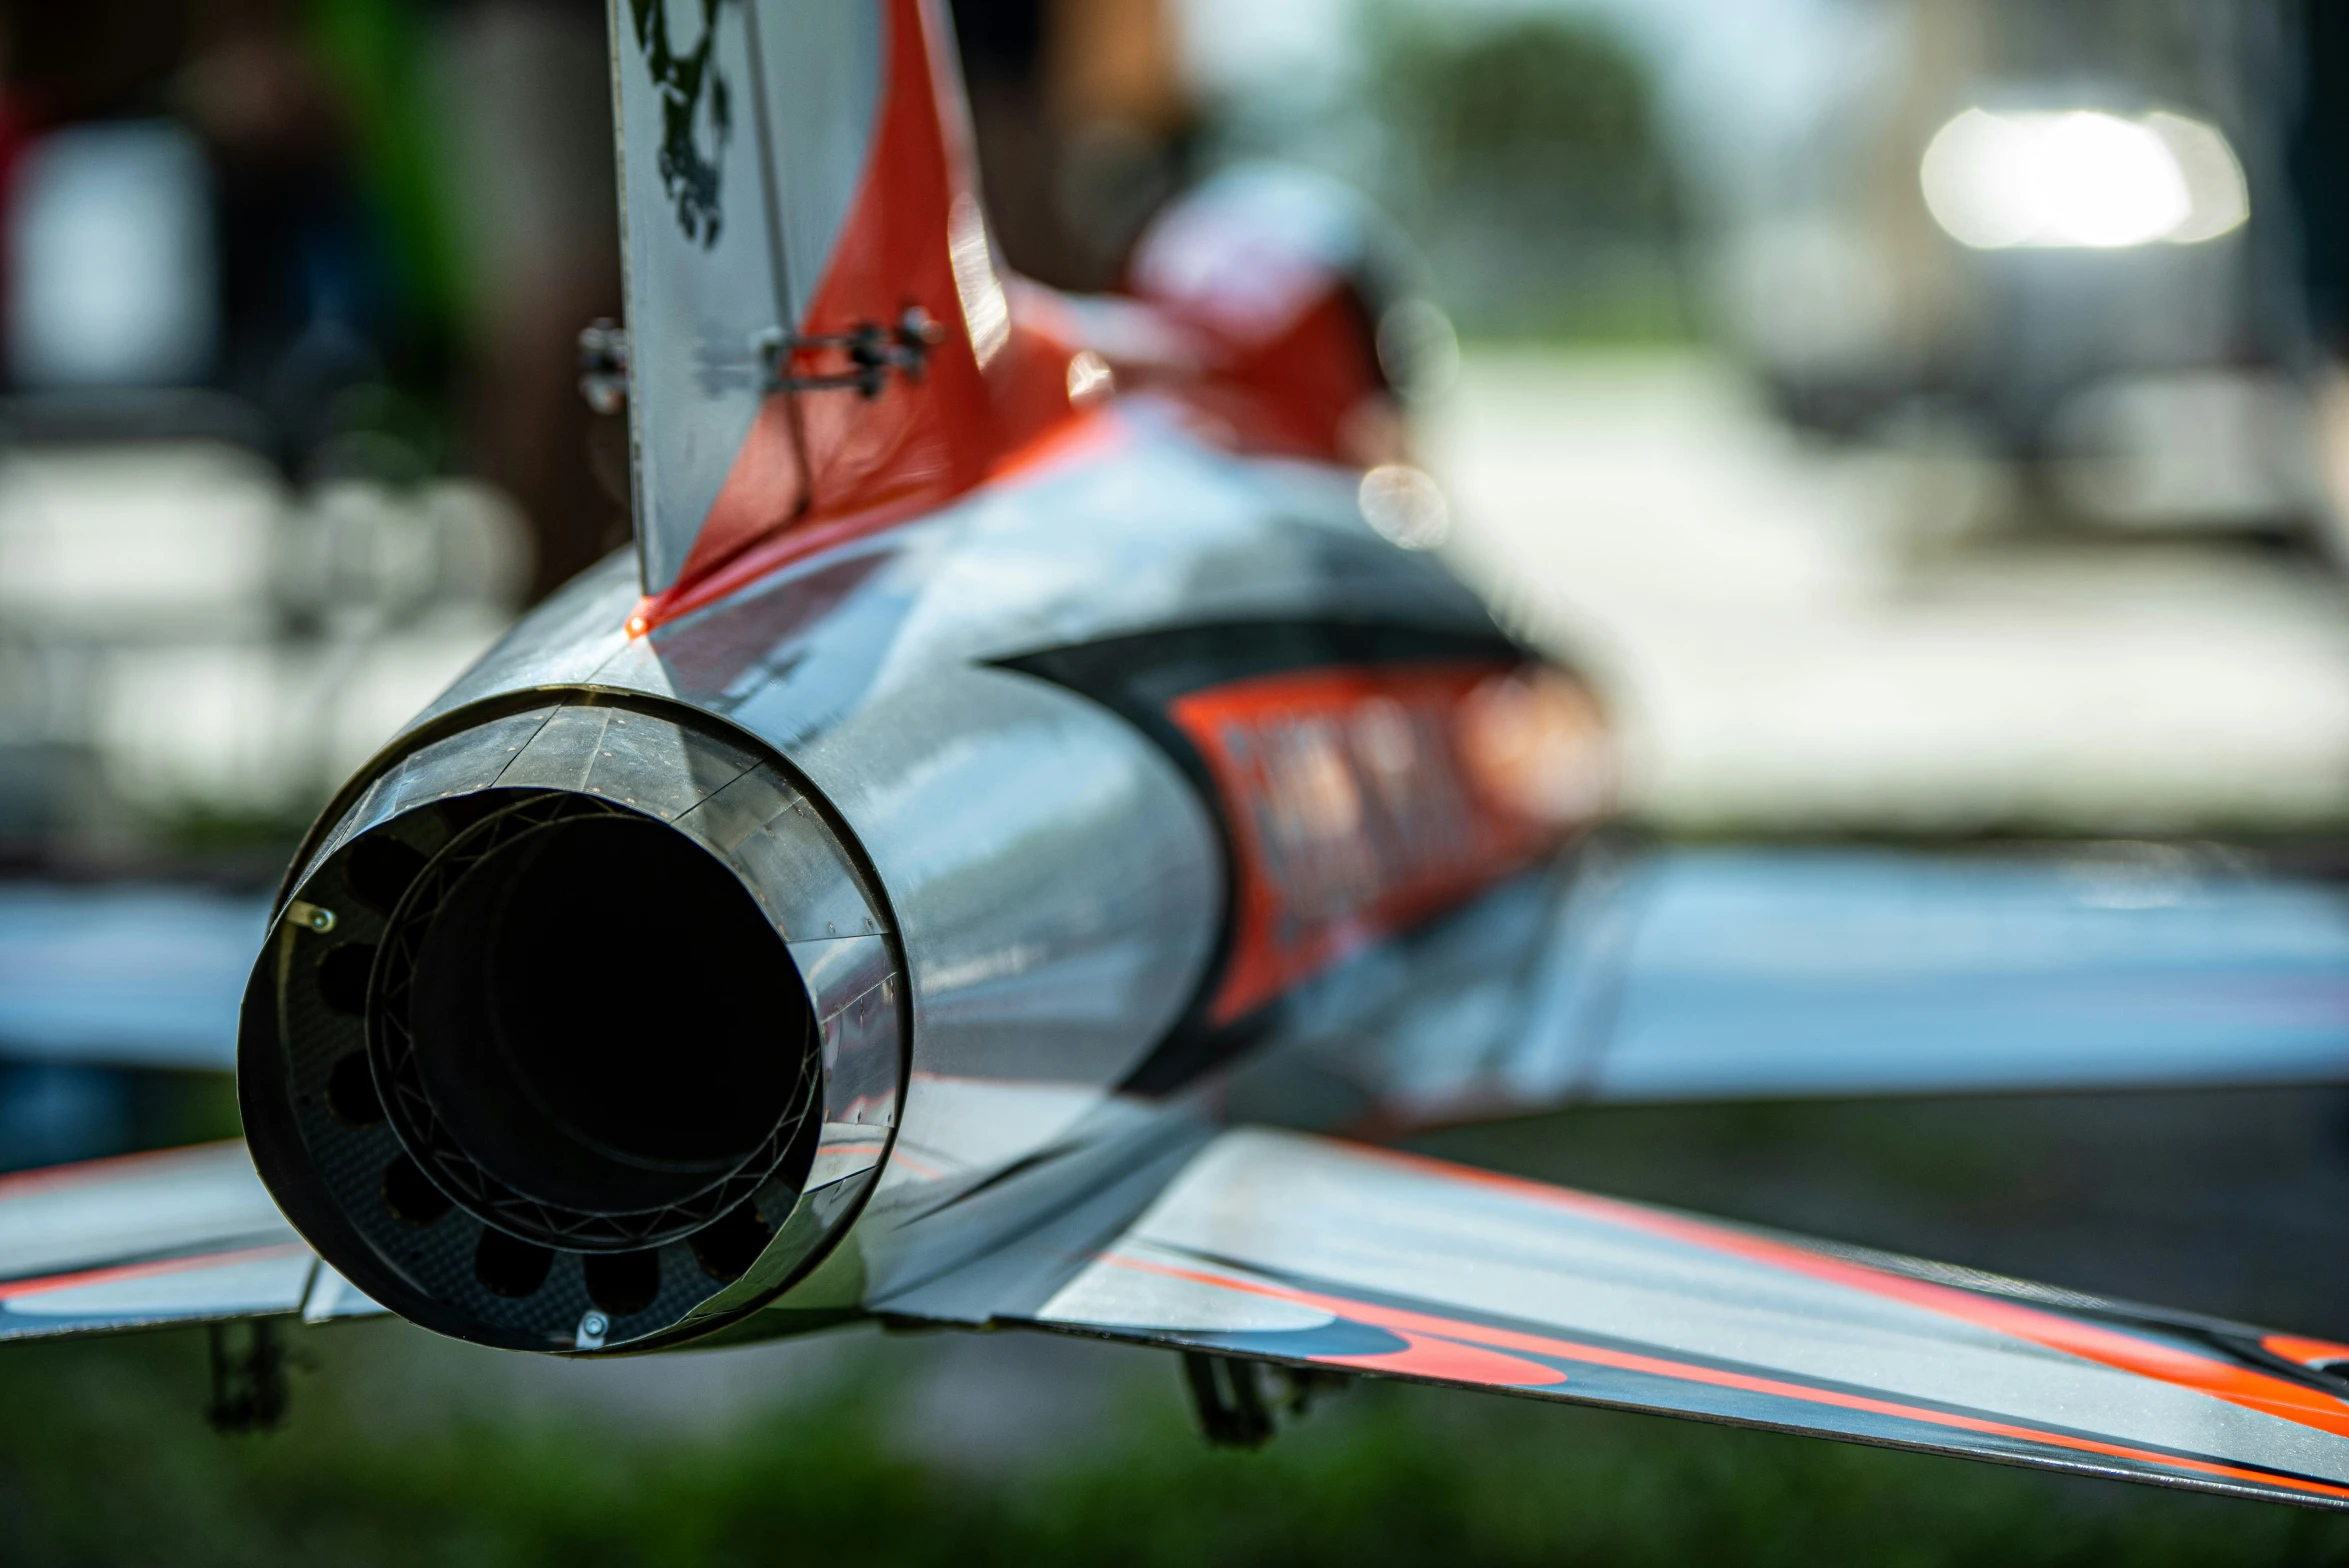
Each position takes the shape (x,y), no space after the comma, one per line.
(529,1057)
(603,1019)
(380,870)
(510,1268)
(623,1283)
(730,1244)
(410,1194)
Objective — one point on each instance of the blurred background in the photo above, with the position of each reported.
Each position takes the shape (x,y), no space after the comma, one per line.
(1927,418)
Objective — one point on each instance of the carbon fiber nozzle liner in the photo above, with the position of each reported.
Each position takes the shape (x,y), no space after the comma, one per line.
(583,1027)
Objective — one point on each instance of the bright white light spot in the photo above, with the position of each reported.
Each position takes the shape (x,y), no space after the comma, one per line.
(2105,183)
(1405,506)
(2214,178)
(986,312)
(1089,378)
(1977,183)
(2082,179)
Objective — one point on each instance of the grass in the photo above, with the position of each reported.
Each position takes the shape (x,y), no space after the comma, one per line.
(103,1459)
(406,1449)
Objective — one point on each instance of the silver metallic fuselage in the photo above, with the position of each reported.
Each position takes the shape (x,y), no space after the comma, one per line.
(1050,884)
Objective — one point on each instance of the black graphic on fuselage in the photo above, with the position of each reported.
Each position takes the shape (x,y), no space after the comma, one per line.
(687,82)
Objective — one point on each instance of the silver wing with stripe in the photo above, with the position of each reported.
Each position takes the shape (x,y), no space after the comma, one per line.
(1298,1250)
(187,1236)
(1719,974)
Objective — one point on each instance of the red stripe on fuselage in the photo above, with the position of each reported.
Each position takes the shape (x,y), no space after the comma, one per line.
(1352,812)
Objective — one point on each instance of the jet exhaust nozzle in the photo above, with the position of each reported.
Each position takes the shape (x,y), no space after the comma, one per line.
(556,1037)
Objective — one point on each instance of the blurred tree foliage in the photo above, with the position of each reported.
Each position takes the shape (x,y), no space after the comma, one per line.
(1527,154)
(376,51)
(1540,100)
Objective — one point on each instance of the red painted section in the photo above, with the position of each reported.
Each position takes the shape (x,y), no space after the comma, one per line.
(1299,393)
(933,439)
(2090,1341)
(764,491)
(1087,436)
(1352,813)
(915,237)
(1400,1321)
(2308,1352)
(996,385)
(1264,322)
(1072,440)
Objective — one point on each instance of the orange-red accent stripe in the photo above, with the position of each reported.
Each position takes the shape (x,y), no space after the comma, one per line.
(2179,1367)
(105,1276)
(1329,855)
(756,561)
(87,1172)
(1421,1323)
(1089,436)
(2308,1352)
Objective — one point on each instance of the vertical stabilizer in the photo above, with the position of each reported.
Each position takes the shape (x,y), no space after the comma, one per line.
(819,329)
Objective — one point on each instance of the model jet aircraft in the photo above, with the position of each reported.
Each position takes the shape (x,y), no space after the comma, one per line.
(1009,823)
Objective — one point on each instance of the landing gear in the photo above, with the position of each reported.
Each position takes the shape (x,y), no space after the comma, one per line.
(248,1379)
(1239,1403)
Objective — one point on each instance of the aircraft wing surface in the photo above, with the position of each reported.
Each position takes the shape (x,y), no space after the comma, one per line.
(1717,974)
(185,1236)
(1299,1250)
(125,975)
(1675,974)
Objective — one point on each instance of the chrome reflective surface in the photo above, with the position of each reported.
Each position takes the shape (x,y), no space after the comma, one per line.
(819,89)
(1144,528)
(1057,884)
(211,1243)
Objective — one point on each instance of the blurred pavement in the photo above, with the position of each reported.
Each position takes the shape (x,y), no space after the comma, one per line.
(1804,639)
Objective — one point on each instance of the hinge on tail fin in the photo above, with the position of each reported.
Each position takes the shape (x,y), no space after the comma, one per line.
(872,352)
(603,365)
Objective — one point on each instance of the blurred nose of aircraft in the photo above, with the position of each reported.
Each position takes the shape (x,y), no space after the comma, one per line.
(571,1014)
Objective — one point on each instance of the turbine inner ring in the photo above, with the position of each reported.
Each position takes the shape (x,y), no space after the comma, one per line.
(584,1029)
